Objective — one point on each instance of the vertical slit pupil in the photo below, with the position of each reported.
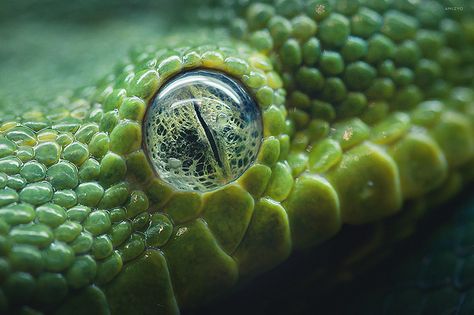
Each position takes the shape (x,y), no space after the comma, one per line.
(209,135)
(202,130)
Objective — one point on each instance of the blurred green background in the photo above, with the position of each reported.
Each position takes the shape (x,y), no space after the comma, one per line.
(48,47)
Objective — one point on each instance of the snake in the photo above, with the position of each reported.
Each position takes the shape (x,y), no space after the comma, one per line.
(244,135)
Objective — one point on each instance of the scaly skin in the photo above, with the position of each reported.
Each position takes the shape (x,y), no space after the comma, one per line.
(368,119)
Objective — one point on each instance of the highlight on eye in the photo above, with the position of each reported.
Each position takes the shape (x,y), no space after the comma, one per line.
(202,130)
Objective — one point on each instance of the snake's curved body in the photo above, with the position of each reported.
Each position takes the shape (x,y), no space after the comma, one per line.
(368,120)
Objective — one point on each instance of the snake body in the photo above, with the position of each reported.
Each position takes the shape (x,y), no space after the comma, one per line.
(368,120)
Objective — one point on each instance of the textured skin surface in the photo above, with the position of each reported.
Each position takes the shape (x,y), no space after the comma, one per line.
(368,120)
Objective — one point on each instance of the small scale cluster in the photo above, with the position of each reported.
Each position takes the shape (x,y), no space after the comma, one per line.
(365,58)
(68,218)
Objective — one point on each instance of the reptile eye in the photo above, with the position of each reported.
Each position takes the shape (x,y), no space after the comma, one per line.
(202,130)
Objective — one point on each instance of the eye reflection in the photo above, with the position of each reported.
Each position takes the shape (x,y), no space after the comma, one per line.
(202,131)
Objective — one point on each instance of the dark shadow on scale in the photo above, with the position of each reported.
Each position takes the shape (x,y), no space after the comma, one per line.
(295,287)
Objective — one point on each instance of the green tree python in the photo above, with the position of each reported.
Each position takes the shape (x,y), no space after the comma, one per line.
(263,130)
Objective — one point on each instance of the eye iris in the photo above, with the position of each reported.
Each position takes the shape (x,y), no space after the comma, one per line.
(202,130)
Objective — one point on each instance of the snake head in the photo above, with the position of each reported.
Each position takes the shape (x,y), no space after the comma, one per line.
(203,161)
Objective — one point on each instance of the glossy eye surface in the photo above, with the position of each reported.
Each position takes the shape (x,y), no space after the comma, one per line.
(202,130)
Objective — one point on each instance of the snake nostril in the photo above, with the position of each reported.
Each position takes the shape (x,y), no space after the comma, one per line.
(202,130)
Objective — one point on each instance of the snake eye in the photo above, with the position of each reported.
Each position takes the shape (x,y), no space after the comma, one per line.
(202,130)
